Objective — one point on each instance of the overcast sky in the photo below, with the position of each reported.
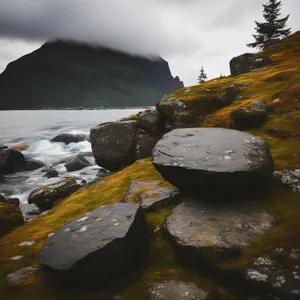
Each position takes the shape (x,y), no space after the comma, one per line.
(187,33)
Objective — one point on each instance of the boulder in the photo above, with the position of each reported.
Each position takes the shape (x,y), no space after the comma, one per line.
(100,245)
(77,163)
(46,196)
(113,144)
(51,173)
(151,195)
(151,121)
(277,271)
(144,144)
(31,165)
(10,218)
(215,161)
(250,117)
(173,290)
(206,233)
(290,178)
(11,161)
(3,147)
(12,201)
(248,62)
(68,138)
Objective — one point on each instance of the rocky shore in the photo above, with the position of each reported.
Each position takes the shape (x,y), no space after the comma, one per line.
(198,199)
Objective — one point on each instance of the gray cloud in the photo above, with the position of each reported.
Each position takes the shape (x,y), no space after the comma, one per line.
(188,33)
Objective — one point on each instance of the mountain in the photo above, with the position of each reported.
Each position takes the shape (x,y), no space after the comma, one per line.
(64,74)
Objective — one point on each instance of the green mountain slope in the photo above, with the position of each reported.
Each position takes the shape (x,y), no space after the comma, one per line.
(67,74)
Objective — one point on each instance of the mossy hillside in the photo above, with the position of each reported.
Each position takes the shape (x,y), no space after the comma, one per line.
(159,265)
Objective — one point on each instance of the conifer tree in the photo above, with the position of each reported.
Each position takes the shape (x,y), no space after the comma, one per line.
(203,76)
(273,28)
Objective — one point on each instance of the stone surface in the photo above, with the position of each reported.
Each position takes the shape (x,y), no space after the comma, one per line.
(101,244)
(3,146)
(11,161)
(210,233)
(10,218)
(277,271)
(113,144)
(290,178)
(250,117)
(151,121)
(213,160)
(151,195)
(77,163)
(248,62)
(144,144)
(176,290)
(21,275)
(31,164)
(68,138)
(13,201)
(51,173)
(46,196)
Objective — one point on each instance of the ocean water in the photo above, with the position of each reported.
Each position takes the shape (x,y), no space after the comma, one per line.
(36,129)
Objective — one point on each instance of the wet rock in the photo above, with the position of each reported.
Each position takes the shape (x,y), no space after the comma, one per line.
(248,62)
(173,290)
(144,144)
(31,164)
(121,238)
(290,178)
(250,117)
(46,196)
(184,114)
(213,161)
(113,144)
(21,275)
(151,195)
(10,218)
(277,271)
(151,121)
(3,147)
(77,163)
(68,138)
(210,233)
(12,201)
(51,173)
(102,173)
(11,161)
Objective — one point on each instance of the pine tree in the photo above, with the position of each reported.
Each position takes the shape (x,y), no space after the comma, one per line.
(203,76)
(273,28)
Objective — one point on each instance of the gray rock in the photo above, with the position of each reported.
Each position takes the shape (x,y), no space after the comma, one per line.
(277,271)
(210,233)
(51,173)
(101,244)
(31,164)
(176,290)
(248,62)
(68,138)
(12,201)
(290,178)
(46,196)
(113,144)
(21,275)
(102,173)
(11,161)
(151,195)
(250,117)
(213,161)
(144,144)
(77,163)
(151,121)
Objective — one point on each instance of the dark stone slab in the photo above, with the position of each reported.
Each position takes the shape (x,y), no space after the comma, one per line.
(11,161)
(209,233)
(213,161)
(68,138)
(101,244)
(51,173)
(77,163)
(31,165)
(176,290)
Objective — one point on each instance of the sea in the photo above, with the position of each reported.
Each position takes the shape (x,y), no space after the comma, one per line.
(36,128)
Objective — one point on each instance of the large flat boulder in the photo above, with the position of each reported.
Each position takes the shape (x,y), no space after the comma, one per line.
(209,233)
(46,197)
(213,160)
(102,244)
(113,144)
(248,62)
